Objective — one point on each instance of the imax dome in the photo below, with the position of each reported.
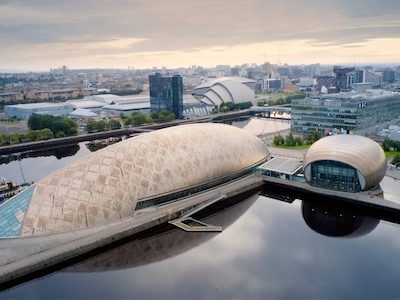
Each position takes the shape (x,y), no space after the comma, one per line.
(336,156)
(108,185)
(225,89)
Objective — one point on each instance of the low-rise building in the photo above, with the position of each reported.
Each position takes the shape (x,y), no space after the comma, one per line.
(24,111)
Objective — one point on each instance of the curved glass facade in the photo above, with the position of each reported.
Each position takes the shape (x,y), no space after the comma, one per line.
(334,175)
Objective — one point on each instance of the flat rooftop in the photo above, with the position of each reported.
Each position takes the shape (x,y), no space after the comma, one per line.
(370,94)
(41,105)
(284,165)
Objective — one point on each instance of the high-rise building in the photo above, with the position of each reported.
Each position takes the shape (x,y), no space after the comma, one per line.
(343,80)
(388,75)
(166,93)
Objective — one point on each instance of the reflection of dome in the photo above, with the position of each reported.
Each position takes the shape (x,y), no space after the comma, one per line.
(336,222)
(225,89)
(106,185)
(360,153)
(159,246)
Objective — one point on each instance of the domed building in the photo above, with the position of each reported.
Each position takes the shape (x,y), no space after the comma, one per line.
(349,163)
(150,169)
(225,89)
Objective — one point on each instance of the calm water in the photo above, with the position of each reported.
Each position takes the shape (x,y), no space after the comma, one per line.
(268,249)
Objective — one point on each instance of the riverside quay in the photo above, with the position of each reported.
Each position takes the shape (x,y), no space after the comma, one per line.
(164,176)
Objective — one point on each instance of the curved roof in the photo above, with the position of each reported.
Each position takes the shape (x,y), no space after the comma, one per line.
(225,89)
(362,153)
(107,184)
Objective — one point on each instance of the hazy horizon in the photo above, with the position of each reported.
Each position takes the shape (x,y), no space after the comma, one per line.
(43,34)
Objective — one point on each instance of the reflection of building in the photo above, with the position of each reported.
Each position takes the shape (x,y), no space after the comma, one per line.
(163,245)
(166,93)
(344,111)
(149,169)
(347,163)
(335,221)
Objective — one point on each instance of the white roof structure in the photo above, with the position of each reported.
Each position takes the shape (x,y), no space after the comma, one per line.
(128,106)
(83,113)
(225,89)
(106,185)
(41,105)
(106,98)
(85,104)
(284,165)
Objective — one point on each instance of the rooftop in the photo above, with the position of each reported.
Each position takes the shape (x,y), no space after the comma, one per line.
(370,94)
(285,165)
(41,105)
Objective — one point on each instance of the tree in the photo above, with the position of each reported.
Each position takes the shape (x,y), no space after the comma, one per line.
(290,141)
(114,124)
(101,125)
(137,119)
(386,144)
(396,160)
(91,126)
(298,141)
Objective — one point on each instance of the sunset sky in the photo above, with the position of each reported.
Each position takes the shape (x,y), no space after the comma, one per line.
(41,34)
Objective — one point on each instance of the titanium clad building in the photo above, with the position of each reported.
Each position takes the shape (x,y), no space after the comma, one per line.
(344,111)
(349,163)
(109,185)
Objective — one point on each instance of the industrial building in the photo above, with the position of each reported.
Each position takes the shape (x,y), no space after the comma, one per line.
(24,111)
(344,112)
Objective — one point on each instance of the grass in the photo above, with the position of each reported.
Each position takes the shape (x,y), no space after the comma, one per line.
(391,153)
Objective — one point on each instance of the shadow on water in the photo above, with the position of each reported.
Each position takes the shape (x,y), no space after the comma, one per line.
(59,153)
(152,245)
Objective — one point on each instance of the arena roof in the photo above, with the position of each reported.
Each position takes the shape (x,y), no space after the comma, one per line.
(362,153)
(106,185)
(225,89)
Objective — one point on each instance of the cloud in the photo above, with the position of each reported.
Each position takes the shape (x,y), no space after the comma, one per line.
(184,26)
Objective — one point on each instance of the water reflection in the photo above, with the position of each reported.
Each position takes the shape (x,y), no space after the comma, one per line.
(336,221)
(59,153)
(166,241)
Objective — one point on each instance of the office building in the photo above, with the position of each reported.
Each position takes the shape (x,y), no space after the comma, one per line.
(166,93)
(343,112)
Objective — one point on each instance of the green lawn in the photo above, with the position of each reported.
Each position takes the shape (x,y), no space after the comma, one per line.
(391,153)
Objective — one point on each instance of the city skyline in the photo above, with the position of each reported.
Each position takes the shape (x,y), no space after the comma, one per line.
(103,34)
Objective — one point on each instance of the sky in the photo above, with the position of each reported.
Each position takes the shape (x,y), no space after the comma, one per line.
(43,34)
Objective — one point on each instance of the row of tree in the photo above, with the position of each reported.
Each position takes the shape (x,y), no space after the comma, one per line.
(388,145)
(230,106)
(291,141)
(23,137)
(138,119)
(103,125)
(60,126)
(288,98)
